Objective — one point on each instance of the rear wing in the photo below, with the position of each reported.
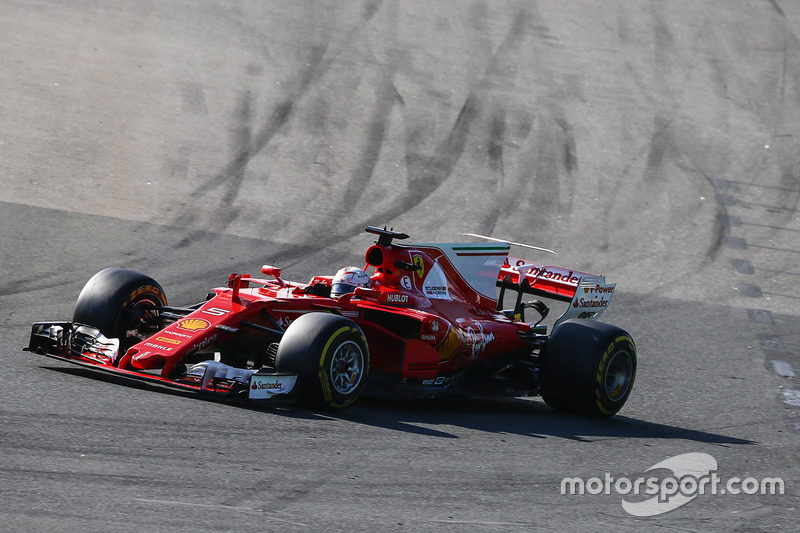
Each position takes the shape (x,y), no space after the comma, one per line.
(588,294)
(532,278)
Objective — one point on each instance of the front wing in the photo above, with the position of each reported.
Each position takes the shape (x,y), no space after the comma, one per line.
(86,347)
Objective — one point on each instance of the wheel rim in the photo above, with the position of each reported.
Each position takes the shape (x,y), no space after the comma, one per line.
(347,367)
(145,324)
(618,376)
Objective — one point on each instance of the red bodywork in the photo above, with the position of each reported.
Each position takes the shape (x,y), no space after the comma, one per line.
(431,310)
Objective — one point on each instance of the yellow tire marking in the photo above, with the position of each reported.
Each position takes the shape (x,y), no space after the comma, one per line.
(327,394)
(601,369)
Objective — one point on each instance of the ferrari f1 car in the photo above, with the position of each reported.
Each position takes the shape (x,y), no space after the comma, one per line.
(430,320)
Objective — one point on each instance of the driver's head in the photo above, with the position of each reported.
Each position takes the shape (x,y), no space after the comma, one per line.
(346,281)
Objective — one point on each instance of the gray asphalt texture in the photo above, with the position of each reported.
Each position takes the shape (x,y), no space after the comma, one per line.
(653,142)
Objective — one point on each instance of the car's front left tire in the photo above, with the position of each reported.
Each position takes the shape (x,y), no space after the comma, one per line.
(331,357)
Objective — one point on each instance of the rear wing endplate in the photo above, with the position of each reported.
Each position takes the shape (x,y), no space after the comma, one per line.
(591,298)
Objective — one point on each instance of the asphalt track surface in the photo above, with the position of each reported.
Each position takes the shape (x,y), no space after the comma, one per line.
(653,142)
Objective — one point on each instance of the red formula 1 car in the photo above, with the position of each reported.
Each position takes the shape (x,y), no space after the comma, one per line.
(429,321)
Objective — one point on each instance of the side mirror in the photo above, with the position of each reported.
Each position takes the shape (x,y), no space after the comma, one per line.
(275,272)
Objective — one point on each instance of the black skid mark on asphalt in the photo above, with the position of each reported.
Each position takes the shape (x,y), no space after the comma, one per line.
(722,223)
(777,8)
(317,66)
(387,98)
(663,41)
(525,124)
(554,150)
(661,142)
(194,99)
(660,145)
(235,171)
(497,134)
(427,174)
(783,146)
(509,194)
(788,193)
(42,282)
(546,172)
(242,149)
(229,181)
(499,75)
(721,229)
(545,185)
(370,8)
(570,149)
(247,144)
(720,233)
(662,148)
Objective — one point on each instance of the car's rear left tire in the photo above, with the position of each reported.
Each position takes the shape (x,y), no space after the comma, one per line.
(330,355)
(587,367)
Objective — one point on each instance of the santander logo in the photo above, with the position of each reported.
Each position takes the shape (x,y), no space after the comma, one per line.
(276,385)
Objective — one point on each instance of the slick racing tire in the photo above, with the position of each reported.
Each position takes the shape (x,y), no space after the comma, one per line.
(330,355)
(117,302)
(588,368)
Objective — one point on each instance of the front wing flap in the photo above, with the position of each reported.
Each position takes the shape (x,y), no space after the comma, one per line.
(85,346)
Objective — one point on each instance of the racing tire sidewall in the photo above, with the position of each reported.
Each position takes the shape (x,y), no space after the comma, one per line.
(318,346)
(109,293)
(588,368)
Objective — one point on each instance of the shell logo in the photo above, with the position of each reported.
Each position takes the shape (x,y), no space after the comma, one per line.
(194,324)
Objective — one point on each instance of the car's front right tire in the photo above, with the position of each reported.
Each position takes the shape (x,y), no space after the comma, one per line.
(117,302)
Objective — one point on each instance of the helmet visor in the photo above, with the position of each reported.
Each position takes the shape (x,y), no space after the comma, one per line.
(338,289)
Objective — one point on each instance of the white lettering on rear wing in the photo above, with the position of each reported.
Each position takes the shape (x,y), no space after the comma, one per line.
(553,281)
(592,297)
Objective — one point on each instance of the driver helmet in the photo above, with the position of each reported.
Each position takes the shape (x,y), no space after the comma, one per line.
(347,279)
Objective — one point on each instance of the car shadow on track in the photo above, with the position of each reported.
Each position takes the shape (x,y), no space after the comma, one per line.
(285,408)
(444,416)
(517,416)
